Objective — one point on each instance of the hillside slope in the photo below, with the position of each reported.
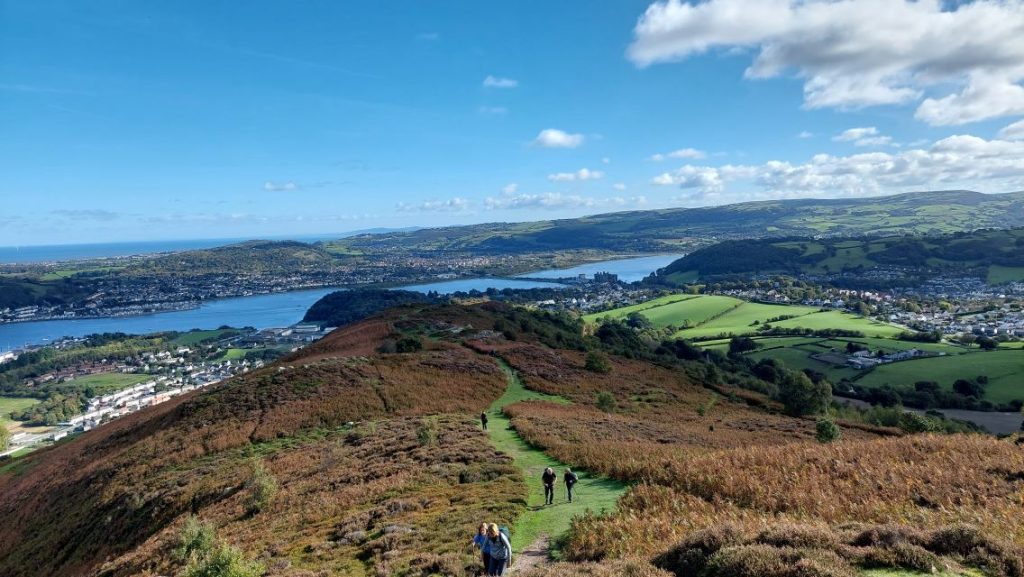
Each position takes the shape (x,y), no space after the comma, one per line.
(995,255)
(672,229)
(342,460)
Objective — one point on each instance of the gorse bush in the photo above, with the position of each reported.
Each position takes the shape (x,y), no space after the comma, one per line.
(224,561)
(826,431)
(606,401)
(262,489)
(426,433)
(597,362)
(195,539)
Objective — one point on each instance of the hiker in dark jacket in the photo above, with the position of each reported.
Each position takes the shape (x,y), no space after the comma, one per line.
(569,479)
(501,551)
(483,420)
(549,479)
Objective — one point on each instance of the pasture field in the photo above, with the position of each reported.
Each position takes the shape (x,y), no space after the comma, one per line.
(998,274)
(623,312)
(1004,369)
(105,383)
(196,337)
(11,404)
(744,319)
(233,355)
(840,320)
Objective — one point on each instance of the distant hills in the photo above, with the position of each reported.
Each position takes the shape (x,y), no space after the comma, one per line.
(996,255)
(678,228)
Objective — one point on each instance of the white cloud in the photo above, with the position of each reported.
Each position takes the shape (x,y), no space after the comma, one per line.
(497,82)
(681,153)
(864,136)
(581,174)
(510,188)
(965,60)
(606,160)
(456,204)
(956,161)
(493,110)
(558,201)
(1014,131)
(554,138)
(805,134)
(271,186)
(619,186)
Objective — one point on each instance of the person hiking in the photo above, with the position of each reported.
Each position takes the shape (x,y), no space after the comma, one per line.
(483,420)
(570,479)
(481,542)
(549,477)
(501,551)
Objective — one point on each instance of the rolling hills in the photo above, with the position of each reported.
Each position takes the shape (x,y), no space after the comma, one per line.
(672,229)
(345,460)
(994,255)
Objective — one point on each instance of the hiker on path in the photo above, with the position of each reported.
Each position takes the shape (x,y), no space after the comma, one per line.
(570,479)
(481,542)
(501,551)
(549,479)
(483,420)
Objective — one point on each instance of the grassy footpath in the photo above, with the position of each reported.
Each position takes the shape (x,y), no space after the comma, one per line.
(592,492)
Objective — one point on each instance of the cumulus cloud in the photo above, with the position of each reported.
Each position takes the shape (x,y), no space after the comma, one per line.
(964,62)
(681,153)
(510,188)
(864,136)
(805,134)
(955,161)
(271,186)
(581,174)
(1014,131)
(558,201)
(497,82)
(554,138)
(619,186)
(456,204)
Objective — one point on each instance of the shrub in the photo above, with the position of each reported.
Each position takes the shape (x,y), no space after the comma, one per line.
(225,561)
(802,396)
(826,431)
(768,561)
(262,489)
(195,539)
(606,401)
(408,345)
(426,433)
(915,423)
(691,555)
(597,362)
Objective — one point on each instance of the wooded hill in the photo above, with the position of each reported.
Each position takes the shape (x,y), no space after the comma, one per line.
(994,255)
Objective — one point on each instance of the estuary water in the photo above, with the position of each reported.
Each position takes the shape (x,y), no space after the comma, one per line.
(283,309)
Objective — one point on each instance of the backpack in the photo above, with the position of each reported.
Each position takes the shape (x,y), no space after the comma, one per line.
(504,531)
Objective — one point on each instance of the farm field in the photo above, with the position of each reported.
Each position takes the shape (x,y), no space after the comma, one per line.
(196,337)
(233,355)
(998,274)
(10,404)
(105,383)
(623,312)
(820,320)
(744,319)
(1005,370)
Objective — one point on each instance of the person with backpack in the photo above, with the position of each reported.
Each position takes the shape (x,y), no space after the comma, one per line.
(549,477)
(483,420)
(570,479)
(481,542)
(501,551)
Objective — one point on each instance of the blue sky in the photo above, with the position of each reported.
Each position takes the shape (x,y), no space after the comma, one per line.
(139,120)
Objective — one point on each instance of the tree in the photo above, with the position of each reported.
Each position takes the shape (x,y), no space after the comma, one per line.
(827,431)
(802,396)
(5,438)
(408,345)
(740,345)
(638,321)
(597,362)
(987,344)
(968,388)
(263,488)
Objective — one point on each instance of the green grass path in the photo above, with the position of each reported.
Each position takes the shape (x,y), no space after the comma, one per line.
(592,492)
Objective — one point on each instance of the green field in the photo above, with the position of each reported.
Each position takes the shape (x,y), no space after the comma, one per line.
(233,355)
(623,312)
(1005,370)
(196,337)
(743,319)
(106,383)
(998,274)
(10,404)
(841,320)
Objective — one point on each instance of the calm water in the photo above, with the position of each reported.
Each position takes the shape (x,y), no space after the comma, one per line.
(263,311)
(628,269)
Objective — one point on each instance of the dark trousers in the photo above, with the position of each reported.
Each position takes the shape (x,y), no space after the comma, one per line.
(549,494)
(568,489)
(496,566)
(486,558)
